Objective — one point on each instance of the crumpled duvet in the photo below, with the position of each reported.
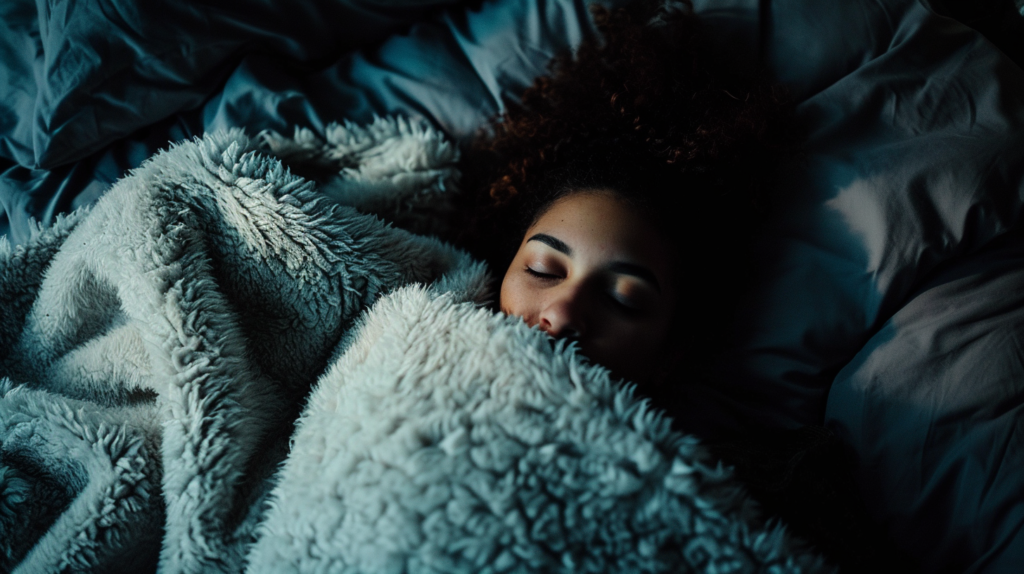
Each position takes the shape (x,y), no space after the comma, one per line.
(220,368)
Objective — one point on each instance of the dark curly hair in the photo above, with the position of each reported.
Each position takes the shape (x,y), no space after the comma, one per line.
(643,111)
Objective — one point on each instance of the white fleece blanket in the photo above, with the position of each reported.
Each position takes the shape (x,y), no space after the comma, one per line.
(223,368)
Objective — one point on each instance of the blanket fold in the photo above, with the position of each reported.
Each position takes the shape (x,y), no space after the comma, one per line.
(190,367)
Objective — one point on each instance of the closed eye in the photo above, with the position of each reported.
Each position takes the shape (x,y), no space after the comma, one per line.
(624,306)
(540,275)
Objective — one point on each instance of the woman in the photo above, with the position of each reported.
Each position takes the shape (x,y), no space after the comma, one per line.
(620,198)
(623,189)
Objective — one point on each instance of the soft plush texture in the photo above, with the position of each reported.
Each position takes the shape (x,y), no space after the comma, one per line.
(458,440)
(396,168)
(157,348)
(215,282)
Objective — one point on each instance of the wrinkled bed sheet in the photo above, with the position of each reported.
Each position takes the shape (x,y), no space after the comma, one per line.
(163,71)
(888,301)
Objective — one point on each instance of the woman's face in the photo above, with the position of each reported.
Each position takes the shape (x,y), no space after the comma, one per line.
(593,268)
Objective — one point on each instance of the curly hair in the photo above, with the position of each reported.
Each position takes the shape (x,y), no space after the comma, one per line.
(641,110)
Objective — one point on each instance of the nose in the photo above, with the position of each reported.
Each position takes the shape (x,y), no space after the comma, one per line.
(563,316)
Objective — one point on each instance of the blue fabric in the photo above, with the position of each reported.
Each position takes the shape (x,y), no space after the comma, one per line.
(244,68)
(82,74)
(76,78)
(914,154)
(933,407)
(880,310)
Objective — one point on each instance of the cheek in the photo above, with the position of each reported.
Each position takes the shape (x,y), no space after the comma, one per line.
(514,298)
(631,350)
(640,339)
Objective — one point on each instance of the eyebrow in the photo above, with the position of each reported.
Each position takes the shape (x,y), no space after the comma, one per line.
(620,267)
(552,242)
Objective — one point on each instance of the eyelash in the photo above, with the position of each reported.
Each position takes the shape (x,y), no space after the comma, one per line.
(623,307)
(540,275)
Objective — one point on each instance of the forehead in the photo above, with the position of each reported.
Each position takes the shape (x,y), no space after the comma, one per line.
(599,220)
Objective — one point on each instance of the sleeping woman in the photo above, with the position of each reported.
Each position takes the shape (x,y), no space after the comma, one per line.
(620,197)
(623,190)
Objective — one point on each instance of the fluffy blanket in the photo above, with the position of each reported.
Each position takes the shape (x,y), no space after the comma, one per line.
(222,367)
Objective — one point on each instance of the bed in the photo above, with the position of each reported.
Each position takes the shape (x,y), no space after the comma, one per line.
(888,308)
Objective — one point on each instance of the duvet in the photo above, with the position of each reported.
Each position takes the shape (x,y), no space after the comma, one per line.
(159,347)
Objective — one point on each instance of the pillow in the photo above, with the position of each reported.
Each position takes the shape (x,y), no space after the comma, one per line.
(914,155)
(933,410)
(887,301)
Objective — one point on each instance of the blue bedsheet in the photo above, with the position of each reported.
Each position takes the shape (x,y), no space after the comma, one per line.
(888,305)
(118,79)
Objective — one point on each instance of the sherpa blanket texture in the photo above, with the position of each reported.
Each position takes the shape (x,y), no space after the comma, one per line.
(224,367)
